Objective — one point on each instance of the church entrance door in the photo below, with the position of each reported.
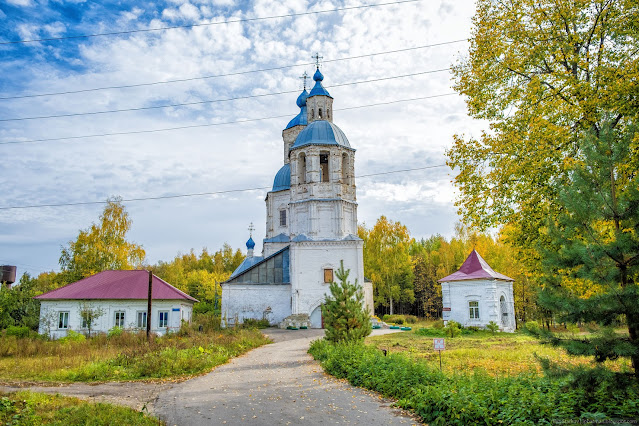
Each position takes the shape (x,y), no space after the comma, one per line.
(317,320)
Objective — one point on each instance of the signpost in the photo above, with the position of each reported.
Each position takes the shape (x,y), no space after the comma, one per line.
(439,346)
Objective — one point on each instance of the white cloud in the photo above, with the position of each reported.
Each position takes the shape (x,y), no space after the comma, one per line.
(24,3)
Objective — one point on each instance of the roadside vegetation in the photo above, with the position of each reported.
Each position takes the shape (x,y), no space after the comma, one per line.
(123,355)
(29,408)
(486,378)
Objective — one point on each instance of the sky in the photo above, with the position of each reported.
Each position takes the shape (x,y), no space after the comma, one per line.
(226,144)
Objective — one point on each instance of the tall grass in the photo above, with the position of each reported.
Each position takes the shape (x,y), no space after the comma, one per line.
(125,356)
(28,408)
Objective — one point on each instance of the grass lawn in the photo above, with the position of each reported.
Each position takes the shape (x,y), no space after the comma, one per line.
(498,355)
(29,408)
(122,357)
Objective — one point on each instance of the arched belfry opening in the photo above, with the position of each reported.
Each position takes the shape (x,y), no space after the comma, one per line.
(319,113)
(345,169)
(301,167)
(324,171)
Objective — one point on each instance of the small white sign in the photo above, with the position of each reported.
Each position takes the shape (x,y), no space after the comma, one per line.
(439,344)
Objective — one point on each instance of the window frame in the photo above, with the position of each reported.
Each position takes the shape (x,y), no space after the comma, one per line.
(332,275)
(163,317)
(63,325)
(137,319)
(473,310)
(122,320)
(283,217)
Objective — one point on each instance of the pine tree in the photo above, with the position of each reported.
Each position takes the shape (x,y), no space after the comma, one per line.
(345,317)
(593,264)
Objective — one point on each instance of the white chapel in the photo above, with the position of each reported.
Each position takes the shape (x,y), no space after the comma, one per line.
(311,225)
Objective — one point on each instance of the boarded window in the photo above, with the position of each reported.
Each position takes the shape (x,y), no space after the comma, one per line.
(282,217)
(328,275)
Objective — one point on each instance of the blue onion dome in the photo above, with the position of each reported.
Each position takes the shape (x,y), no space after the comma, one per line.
(301,99)
(318,89)
(282,179)
(321,132)
(250,244)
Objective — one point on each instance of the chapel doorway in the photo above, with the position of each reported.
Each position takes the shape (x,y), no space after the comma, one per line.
(317,320)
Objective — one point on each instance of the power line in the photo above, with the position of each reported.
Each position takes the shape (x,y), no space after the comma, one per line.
(234,21)
(212,100)
(194,126)
(126,86)
(201,194)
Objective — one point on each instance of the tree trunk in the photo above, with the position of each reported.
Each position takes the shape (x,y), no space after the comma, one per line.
(391,305)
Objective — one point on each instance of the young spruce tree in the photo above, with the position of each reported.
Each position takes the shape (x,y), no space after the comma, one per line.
(592,266)
(345,318)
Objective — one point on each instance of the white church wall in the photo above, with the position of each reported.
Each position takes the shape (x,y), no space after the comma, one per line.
(308,261)
(178,311)
(456,296)
(276,201)
(256,301)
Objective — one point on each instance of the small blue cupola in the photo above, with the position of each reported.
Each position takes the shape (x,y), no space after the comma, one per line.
(300,119)
(318,89)
(250,244)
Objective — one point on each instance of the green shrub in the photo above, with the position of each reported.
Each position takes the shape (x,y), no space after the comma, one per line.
(471,329)
(492,326)
(13,330)
(411,319)
(452,329)
(573,329)
(438,324)
(430,332)
(115,332)
(72,336)
(255,323)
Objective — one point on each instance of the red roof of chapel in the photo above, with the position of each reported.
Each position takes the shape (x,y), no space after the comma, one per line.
(475,268)
(117,285)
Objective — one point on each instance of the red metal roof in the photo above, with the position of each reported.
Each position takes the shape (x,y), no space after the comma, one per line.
(117,285)
(475,268)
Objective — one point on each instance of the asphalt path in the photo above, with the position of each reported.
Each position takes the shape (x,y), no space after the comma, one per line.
(276,384)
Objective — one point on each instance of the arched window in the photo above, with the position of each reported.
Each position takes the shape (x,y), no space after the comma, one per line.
(319,115)
(301,167)
(324,174)
(328,113)
(345,177)
(312,114)
(504,311)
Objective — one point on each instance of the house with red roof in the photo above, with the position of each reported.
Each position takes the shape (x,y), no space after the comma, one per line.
(121,297)
(476,295)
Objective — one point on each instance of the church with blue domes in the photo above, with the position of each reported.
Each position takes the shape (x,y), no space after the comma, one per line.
(311,225)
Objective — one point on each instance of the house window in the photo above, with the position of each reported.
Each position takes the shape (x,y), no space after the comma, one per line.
(163,320)
(119,319)
(282,217)
(63,320)
(474,310)
(85,324)
(142,319)
(324,166)
(328,276)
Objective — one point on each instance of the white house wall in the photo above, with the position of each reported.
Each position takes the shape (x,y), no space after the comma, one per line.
(257,301)
(49,313)
(457,294)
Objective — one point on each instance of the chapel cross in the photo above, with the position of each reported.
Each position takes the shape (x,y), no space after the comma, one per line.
(251,228)
(304,77)
(317,58)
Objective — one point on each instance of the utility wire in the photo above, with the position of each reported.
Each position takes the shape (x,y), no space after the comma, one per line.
(200,194)
(206,24)
(210,101)
(194,126)
(126,86)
